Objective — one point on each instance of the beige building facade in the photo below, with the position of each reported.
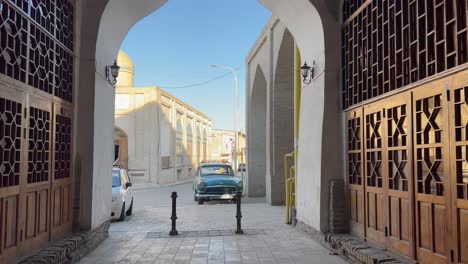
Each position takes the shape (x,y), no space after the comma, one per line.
(223,145)
(158,137)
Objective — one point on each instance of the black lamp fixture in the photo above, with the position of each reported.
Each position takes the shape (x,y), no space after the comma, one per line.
(308,72)
(112,72)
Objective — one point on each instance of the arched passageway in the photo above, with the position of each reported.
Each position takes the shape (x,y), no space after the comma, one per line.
(121,147)
(257,157)
(281,117)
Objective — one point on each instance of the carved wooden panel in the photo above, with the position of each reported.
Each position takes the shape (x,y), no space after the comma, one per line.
(63,74)
(11,122)
(41,60)
(431,173)
(62,182)
(389,44)
(62,160)
(65,26)
(376,215)
(10,142)
(459,161)
(43,12)
(39,145)
(400,176)
(354,171)
(13,42)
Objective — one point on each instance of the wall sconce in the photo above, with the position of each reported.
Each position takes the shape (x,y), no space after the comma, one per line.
(308,72)
(112,71)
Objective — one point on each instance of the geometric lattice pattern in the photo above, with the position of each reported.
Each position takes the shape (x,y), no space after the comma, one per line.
(461,141)
(10,142)
(63,74)
(354,168)
(62,147)
(41,60)
(354,151)
(38,145)
(429,119)
(43,12)
(13,43)
(373,130)
(374,169)
(398,170)
(390,44)
(354,136)
(430,171)
(396,125)
(65,18)
(50,51)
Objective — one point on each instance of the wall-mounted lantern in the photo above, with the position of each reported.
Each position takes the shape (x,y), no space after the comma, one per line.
(308,72)
(112,72)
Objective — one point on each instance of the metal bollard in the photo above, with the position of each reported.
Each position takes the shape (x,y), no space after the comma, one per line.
(174,216)
(239,230)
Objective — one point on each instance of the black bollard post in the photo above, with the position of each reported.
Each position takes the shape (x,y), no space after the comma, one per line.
(239,230)
(174,216)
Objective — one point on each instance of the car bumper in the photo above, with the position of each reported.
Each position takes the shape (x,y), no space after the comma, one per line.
(208,196)
(116,209)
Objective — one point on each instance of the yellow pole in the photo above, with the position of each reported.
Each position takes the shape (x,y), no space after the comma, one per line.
(297,111)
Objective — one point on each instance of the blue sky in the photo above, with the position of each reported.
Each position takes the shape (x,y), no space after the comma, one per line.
(175,45)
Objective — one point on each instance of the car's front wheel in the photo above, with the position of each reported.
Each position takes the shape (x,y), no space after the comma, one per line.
(195,197)
(200,201)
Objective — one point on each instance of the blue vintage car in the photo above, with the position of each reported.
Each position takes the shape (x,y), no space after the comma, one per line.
(215,181)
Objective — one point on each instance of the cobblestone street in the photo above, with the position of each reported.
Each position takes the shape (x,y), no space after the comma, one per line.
(207,233)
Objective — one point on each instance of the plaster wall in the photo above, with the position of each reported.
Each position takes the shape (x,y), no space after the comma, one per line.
(103,26)
(320,134)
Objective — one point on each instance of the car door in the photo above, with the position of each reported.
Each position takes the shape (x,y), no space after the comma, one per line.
(124,178)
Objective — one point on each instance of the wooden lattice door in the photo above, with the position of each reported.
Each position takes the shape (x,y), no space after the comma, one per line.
(459,167)
(399,174)
(375,189)
(35,186)
(12,120)
(431,171)
(62,181)
(354,172)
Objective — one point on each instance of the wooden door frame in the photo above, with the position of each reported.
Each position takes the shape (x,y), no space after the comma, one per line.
(375,235)
(422,92)
(39,239)
(457,81)
(358,229)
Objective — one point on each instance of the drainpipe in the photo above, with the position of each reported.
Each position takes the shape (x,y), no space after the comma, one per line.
(297,110)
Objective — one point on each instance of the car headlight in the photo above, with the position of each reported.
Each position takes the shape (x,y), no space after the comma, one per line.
(240,185)
(201,185)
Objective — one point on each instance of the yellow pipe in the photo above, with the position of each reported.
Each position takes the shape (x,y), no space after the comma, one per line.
(297,111)
(287,186)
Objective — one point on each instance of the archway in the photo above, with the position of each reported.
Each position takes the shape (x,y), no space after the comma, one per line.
(282,117)
(257,140)
(121,147)
(101,36)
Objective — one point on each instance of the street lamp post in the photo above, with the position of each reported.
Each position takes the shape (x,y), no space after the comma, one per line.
(236,108)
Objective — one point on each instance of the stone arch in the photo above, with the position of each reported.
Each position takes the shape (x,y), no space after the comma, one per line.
(199,142)
(257,135)
(281,117)
(121,146)
(104,24)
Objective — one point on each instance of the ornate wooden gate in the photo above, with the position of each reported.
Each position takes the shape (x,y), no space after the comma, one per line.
(416,171)
(36,110)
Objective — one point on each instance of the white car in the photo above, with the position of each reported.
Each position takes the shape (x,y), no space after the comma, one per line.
(122,194)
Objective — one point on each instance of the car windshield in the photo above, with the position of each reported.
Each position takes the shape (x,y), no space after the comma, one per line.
(216,170)
(116,182)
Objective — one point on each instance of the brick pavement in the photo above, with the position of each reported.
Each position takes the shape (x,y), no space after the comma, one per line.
(206,234)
